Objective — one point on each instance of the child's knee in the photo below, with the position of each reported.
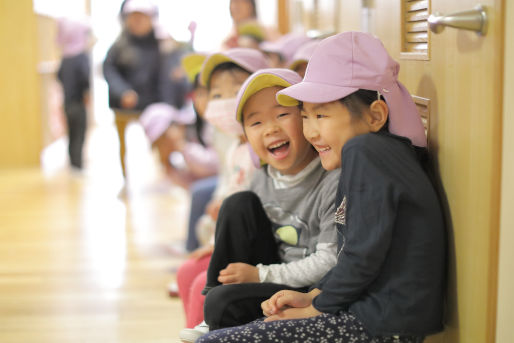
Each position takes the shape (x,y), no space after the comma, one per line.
(240,200)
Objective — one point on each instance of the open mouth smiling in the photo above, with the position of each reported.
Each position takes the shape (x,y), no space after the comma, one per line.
(279,149)
(322,149)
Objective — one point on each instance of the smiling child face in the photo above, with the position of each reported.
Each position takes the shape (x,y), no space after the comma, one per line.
(275,132)
(328,126)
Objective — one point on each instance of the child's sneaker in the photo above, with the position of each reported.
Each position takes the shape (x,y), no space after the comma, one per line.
(173,289)
(191,335)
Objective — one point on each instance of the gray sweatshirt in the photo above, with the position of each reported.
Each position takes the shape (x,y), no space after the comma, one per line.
(301,209)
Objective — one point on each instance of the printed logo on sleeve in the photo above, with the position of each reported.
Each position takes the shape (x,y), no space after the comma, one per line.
(340,215)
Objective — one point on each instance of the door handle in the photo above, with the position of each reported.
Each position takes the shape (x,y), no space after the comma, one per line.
(474,20)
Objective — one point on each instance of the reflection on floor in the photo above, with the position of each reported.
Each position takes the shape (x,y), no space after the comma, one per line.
(79,262)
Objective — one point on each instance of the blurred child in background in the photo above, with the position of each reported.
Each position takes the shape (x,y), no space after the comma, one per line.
(281,51)
(73,38)
(132,67)
(183,156)
(201,190)
(302,56)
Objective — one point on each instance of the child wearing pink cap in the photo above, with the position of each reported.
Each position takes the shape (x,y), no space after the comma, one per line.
(182,152)
(280,234)
(73,38)
(281,51)
(388,283)
(302,56)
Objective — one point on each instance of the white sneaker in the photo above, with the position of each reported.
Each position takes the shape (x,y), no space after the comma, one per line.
(191,335)
(173,289)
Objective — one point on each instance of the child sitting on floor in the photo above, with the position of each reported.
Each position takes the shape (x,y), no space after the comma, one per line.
(388,283)
(281,235)
(223,74)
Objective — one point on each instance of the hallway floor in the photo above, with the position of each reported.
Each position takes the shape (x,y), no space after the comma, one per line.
(79,262)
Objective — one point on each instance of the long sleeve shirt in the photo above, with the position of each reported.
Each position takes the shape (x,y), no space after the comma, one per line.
(301,210)
(391,246)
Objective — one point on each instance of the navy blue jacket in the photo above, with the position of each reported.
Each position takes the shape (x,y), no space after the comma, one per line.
(391,263)
(134,63)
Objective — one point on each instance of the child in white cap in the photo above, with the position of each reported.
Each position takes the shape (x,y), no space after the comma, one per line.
(388,283)
(132,67)
(280,234)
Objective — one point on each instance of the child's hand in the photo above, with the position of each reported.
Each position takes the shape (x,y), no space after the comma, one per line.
(129,99)
(294,313)
(202,251)
(239,273)
(176,135)
(213,208)
(283,300)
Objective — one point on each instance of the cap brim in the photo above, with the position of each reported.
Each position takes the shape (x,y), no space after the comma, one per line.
(255,85)
(313,92)
(209,65)
(192,64)
(296,63)
(268,46)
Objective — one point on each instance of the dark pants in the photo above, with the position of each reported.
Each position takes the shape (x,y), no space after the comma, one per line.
(243,234)
(201,193)
(343,327)
(77,121)
(238,304)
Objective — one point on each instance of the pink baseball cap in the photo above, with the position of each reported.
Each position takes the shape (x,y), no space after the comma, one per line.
(303,54)
(261,79)
(156,119)
(286,46)
(349,61)
(248,59)
(73,36)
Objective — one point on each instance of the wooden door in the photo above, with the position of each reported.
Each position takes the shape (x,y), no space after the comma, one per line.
(458,75)
(20,131)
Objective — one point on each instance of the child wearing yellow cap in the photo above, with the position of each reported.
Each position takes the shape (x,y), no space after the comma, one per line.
(280,234)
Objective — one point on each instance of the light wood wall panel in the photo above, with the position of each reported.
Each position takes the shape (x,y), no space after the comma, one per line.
(20,125)
(505,329)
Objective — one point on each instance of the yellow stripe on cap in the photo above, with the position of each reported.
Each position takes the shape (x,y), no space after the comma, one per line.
(212,62)
(259,83)
(296,63)
(286,101)
(192,64)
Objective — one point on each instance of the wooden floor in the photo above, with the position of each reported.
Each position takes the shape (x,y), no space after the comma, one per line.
(79,263)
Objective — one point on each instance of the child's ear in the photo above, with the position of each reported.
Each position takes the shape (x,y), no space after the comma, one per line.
(377,115)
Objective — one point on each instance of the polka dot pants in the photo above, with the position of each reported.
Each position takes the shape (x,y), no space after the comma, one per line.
(325,328)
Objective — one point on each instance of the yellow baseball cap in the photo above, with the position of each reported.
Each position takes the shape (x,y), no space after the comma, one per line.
(192,64)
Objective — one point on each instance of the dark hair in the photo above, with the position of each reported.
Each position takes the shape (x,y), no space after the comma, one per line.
(226,66)
(359,101)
